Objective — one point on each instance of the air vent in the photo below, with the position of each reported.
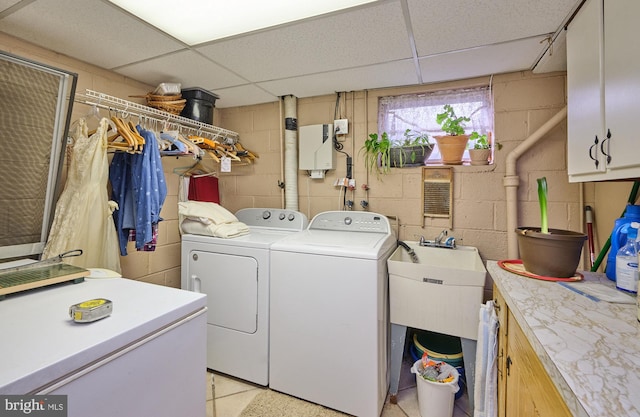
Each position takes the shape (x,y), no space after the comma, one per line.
(437,193)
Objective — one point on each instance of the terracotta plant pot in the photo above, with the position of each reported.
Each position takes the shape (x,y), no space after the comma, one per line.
(409,156)
(452,148)
(555,254)
(479,156)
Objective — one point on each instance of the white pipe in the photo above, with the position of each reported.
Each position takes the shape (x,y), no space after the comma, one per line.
(291,153)
(281,118)
(511,179)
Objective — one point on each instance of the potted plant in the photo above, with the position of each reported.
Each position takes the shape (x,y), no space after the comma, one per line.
(453,144)
(549,252)
(376,153)
(480,148)
(381,153)
(412,150)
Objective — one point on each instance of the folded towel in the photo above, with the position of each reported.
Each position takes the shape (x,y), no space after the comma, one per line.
(230,230)
(213,211)
(486,381)
(200,226)
(209,219)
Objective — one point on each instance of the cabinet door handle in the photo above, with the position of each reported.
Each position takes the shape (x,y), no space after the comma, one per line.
(509,362)
(602,146)
(591,148)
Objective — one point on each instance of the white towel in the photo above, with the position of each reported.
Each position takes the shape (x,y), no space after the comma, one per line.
(209,219)
(486,382)
(215,212)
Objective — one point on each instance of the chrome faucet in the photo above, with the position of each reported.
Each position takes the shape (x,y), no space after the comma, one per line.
(440,237)
(449,242)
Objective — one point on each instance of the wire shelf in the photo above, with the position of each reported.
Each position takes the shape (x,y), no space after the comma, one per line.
(105,101)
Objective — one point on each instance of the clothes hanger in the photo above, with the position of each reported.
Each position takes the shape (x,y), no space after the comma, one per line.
(192,147)
(94,113)
(197,169)
(125,132)
(140,141)
(250,155)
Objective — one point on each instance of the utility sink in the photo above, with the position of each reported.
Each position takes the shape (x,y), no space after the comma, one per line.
(442,292)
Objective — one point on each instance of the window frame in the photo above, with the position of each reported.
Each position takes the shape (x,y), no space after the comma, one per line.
(416,111)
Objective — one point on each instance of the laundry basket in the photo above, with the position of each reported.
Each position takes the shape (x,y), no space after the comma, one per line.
(435,399)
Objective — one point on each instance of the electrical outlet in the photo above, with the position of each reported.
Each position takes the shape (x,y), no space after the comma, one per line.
(341,126)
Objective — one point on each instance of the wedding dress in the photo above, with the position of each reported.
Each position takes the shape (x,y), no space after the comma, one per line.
(83,217)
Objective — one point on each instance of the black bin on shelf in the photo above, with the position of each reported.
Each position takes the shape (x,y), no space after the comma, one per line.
(200,104)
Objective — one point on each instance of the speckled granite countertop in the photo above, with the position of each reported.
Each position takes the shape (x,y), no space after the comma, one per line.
(591,349)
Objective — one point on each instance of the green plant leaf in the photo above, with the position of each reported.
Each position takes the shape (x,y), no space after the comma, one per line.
(542,198)
(450,123)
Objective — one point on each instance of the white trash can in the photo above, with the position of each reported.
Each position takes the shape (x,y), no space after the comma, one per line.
(435,399)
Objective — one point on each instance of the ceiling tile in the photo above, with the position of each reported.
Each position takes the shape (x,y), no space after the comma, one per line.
(389,74)
(186,67)
(5,4)
(450,25)
(90,30)
(485,60)
(243,96)
(349,39)
(361,48)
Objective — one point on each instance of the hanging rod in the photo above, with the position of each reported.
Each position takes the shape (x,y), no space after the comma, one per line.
(105,101)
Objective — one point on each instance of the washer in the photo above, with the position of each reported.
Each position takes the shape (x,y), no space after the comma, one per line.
(329,312)
(234,273)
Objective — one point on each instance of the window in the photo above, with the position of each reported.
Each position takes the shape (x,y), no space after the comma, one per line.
(418,112)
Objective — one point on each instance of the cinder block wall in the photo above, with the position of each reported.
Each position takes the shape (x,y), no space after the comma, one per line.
(523,102)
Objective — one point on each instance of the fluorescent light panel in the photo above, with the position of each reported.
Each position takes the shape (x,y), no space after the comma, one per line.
(198,21)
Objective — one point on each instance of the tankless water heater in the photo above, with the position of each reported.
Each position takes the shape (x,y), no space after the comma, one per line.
(315,148)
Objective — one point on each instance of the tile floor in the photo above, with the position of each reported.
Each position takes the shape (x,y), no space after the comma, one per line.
(233,395)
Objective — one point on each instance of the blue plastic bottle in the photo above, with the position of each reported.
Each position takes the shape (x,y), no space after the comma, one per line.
(627,262)
(619,237)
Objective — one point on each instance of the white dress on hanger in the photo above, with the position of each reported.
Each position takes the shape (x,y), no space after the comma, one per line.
(83,213)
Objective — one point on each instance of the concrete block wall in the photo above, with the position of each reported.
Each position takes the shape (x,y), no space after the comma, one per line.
(523,102)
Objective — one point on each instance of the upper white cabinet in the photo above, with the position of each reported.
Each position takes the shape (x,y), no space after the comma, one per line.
(603,79)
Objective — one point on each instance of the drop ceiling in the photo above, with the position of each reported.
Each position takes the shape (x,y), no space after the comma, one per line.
(387,43)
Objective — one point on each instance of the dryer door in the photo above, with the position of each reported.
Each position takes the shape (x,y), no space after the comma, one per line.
(231,285)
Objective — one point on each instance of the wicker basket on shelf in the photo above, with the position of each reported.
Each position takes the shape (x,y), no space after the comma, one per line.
(172,104)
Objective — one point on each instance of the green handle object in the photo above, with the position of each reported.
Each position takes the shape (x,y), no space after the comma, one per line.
(632,199)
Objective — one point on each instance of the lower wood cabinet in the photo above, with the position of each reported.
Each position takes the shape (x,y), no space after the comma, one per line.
(524,387)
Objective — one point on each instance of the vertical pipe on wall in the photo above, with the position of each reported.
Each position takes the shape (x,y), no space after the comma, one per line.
(280,182)
(511,179)
(290,153)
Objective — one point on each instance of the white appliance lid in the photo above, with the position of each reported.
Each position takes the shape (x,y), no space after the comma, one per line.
(40,342)
(337,243)
(257,238)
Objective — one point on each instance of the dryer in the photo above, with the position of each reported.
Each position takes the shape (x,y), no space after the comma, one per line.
(234,273)
(329,312)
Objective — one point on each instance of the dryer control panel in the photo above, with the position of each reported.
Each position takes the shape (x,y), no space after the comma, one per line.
(273,218)
(356,221)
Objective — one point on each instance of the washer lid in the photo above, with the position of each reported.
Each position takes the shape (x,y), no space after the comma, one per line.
(365,245)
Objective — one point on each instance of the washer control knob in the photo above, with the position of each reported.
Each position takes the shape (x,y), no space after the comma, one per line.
(281,216)
(348,220)
(291,217)
(266,214)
